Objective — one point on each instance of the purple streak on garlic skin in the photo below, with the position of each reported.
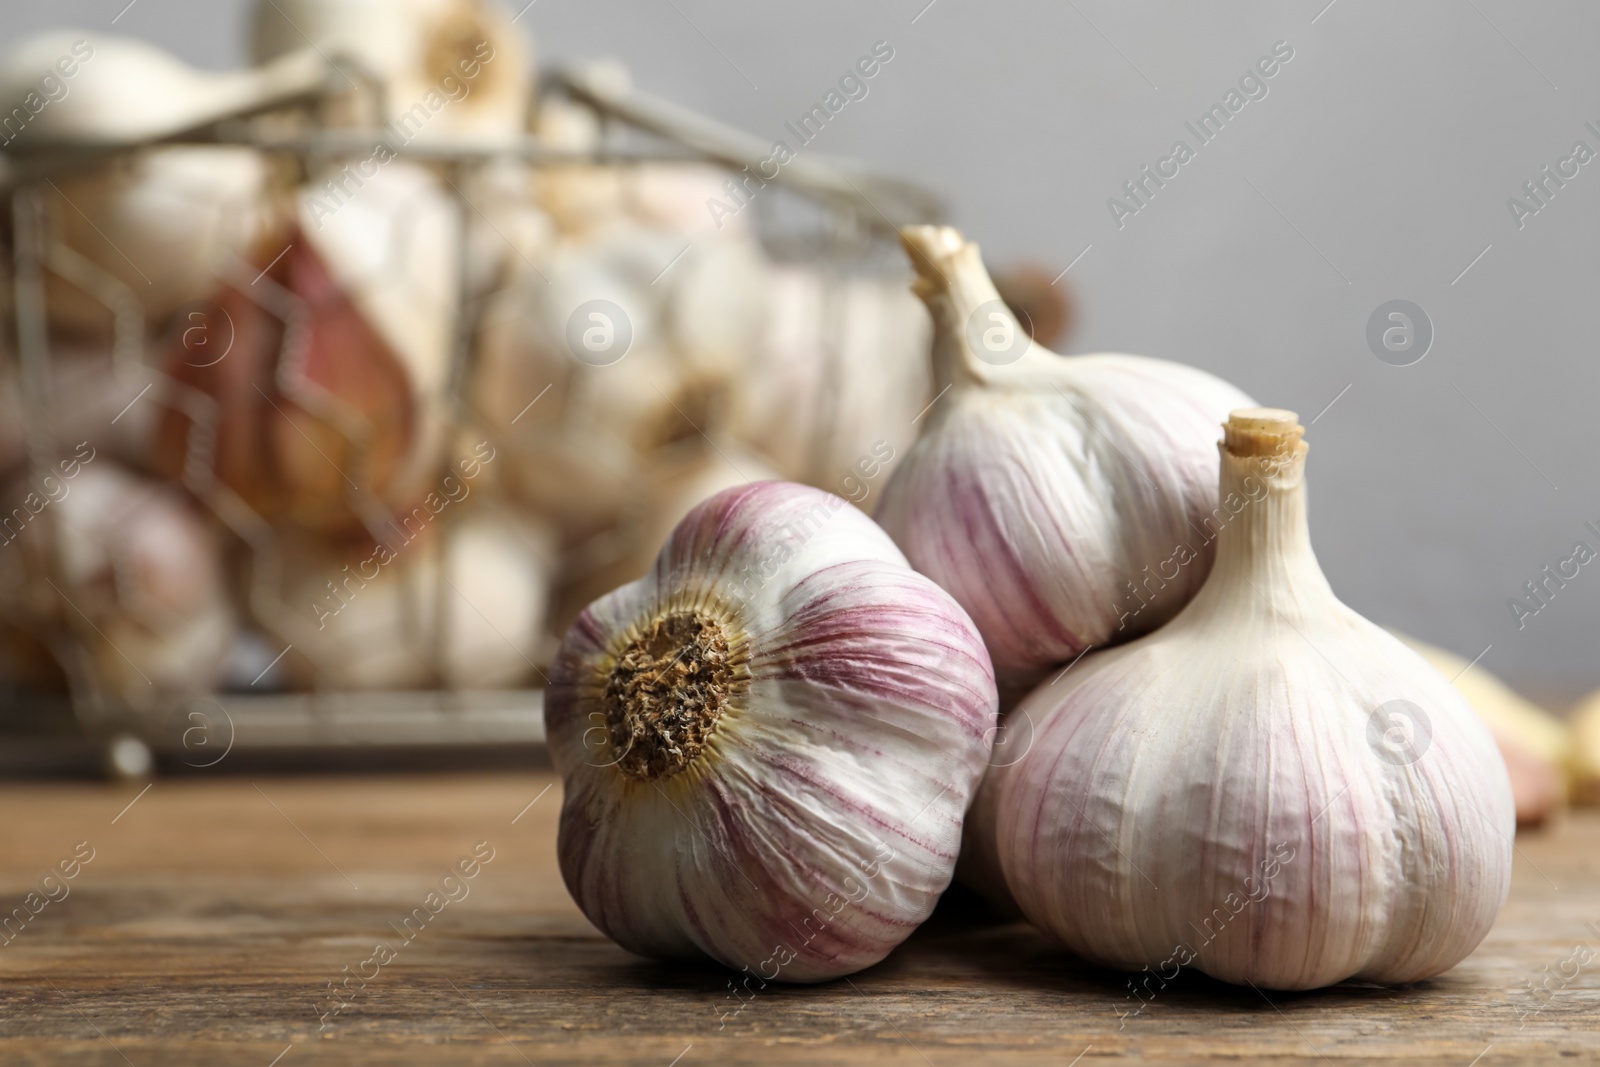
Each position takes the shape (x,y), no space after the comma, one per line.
(1041,487)
(1166,772)
(822,819)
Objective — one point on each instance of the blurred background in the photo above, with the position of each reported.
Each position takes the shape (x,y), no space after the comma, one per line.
(1383,160)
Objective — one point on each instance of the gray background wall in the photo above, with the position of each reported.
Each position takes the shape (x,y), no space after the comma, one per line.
(1377,167)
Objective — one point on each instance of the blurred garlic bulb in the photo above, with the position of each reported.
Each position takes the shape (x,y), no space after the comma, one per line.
(680,477)
(1064,501)
(160,223)
(579,197)
(673,196)
(447,68)
(89,403)
(619,345)
(1585,725)
(842,365)
(143,573)
(768,742)
(1536,745)
(1270,787)
(507,231)
(105,87)
(372,612)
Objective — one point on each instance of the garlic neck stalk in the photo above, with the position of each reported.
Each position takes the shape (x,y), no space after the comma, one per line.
(977,338)
(1259,523)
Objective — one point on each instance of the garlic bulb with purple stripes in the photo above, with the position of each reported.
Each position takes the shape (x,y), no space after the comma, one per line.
(769,742)
(1269,788)
(1063,501)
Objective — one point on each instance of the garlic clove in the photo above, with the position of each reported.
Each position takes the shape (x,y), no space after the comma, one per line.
(1585,724)
(1539,788)
(1270,787)
(768,742)
(1063,502)
(1536,745)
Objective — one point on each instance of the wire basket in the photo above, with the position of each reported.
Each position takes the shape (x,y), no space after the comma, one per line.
(833,220)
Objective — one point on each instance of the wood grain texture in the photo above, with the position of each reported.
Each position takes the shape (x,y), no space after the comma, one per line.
(215,911)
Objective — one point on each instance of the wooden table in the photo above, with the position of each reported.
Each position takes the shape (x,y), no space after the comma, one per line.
(215,912)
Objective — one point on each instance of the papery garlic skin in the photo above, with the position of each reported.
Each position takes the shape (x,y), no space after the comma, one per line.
(148,230)
(144,572)
(809,824)
(448,68)
(1050,495)
(1241,783)
(841,373)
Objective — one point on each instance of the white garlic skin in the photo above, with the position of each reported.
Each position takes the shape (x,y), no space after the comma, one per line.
(841,368)
(1041,488)
(140,562)
(448,68)
(1166,773)
(151,228)
(821,821)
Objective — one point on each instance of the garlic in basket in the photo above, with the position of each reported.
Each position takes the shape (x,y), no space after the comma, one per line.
(769,742)
(1063,501)
(447,68)
(154,226)
(1270,788)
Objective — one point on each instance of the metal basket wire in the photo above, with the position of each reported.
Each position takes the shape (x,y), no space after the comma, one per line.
(832,215)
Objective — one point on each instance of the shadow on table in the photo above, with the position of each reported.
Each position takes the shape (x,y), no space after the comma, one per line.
(967,936)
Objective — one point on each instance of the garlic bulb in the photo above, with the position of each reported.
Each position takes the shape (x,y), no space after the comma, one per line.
(371,615)
(85,85)
(1586,751)
(768,742)
(1269,787)
(160,223)
(681,475)
(89,403)
(1064,502)
(1536,745)
(841,366)
(682,322)
(579,197)
(142,570)
(447,68)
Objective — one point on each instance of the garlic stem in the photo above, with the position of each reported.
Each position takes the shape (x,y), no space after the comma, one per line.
(1259,523)
(952,281)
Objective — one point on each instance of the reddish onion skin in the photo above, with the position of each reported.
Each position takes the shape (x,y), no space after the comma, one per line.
(821,821)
